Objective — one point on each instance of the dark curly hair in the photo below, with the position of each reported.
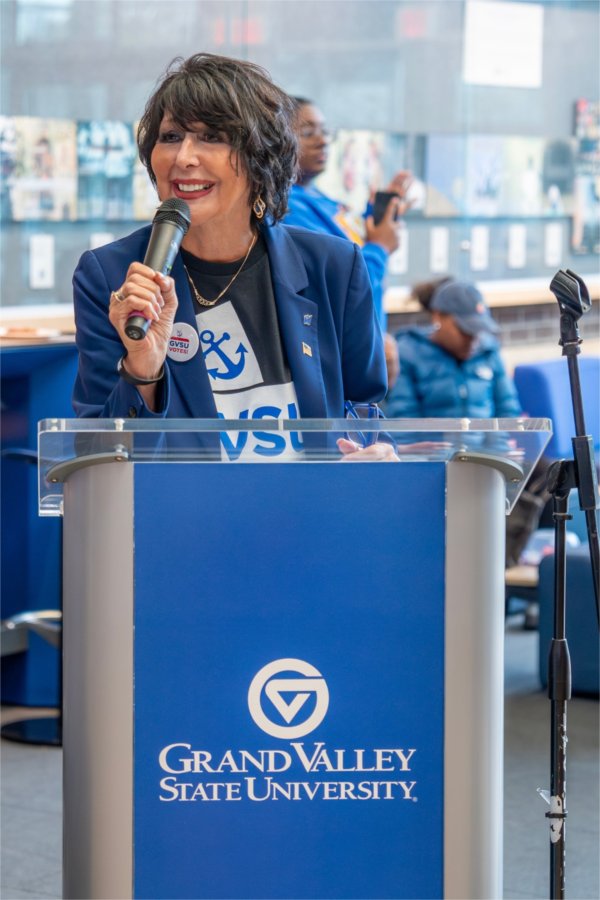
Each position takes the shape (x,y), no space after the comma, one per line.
(240,100)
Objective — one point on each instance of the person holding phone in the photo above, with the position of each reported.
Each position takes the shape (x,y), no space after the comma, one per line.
(312,209)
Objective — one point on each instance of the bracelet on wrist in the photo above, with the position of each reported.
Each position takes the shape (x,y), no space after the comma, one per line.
(132,379)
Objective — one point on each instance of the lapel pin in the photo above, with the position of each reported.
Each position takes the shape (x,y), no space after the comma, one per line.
(308,319)
(306,349)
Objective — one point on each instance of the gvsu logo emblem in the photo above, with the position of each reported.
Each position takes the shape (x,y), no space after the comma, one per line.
(288,696)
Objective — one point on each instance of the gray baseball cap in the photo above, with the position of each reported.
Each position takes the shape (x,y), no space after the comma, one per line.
(466,305)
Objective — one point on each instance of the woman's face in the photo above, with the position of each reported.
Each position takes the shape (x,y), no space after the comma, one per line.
(313,141)
(449,336)
(198,166)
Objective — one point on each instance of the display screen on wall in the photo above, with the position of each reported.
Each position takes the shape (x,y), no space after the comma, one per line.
(585,236)
(445,173)
(354,167)
(39,169)
(539,177)
(55,169)
(487,176)
(408,152)
(106,152)
(361,162)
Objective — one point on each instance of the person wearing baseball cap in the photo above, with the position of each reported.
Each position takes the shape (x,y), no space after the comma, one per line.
(452,368)
(464,302)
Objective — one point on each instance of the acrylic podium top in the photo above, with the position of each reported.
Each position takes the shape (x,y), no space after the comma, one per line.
(511,445)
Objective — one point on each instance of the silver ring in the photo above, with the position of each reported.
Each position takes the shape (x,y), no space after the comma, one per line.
(118,296)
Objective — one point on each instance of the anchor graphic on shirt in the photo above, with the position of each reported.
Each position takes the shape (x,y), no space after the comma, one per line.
(233,368)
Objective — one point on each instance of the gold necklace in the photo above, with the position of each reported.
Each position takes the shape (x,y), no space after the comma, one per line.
(202,300)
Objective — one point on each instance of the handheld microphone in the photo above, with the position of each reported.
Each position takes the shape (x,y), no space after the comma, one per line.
(169,227)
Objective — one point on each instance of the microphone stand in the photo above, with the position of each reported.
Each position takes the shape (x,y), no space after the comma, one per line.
(563,476)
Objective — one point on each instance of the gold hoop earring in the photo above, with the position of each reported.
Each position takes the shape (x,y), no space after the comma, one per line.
(258,207)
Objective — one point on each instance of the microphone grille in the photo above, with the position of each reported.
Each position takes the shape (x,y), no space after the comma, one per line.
(175,211)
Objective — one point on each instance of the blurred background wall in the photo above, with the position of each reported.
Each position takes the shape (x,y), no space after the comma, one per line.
(493,105)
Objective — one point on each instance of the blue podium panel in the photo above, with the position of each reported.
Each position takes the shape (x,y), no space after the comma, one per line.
(289,681)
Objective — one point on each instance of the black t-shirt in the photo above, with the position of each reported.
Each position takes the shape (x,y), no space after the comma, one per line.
(243,351)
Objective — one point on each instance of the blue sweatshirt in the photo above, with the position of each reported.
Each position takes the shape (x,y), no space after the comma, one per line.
(312,209)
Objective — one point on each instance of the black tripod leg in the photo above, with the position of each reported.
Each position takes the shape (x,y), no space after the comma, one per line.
(559,692)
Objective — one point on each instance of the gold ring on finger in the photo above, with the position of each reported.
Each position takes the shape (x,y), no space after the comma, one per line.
(117,296)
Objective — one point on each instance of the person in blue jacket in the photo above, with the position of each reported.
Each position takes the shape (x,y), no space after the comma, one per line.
(311,208)
(257,320)
(452,368)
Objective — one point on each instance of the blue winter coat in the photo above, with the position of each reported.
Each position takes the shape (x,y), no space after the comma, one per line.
(433,384)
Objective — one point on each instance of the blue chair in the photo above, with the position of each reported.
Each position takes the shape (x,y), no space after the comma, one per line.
(581,622)
(544,392)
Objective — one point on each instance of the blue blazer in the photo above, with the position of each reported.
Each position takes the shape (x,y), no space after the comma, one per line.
(323,298)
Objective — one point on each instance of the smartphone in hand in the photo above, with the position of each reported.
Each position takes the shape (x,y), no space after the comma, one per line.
(381,203)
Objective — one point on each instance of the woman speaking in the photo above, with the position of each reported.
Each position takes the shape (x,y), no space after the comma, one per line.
(257,319)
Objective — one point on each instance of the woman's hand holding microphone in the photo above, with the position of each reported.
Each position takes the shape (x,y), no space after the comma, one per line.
(152,295)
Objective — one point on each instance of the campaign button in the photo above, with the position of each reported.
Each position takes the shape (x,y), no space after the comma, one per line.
(183,343)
